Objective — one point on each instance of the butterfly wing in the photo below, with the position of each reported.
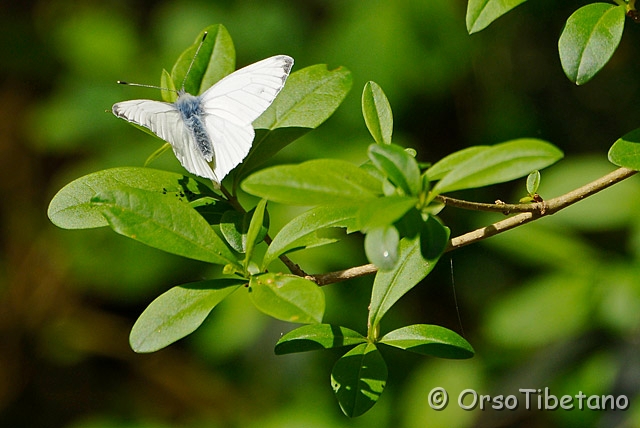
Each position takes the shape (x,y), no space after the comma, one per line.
(164,120)
(233,103)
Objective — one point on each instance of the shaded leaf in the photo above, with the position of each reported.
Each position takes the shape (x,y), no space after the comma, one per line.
(178,313)
(235,228)
(390,286)
(320,181)
(317,336)
(589,39)
(381,246)
(377,113)
(358,379)
(429,340)
(287,297)
(257,230)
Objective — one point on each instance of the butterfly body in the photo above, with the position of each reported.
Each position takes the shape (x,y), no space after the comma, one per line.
(215,126)
(192,113)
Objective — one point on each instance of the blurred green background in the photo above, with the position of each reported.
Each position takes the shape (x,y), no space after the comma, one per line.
(553,304)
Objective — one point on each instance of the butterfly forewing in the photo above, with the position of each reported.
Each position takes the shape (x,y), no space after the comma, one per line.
(227,110)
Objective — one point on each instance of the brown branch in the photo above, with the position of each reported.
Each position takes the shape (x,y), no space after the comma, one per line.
(498,206)
(537,210)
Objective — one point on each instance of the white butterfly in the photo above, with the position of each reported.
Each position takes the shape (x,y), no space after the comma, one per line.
(215,125)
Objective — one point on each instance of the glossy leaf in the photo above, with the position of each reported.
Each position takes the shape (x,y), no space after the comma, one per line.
(310,96)
(377,113)
(215,60)
(178,313)
(310,229)
(71,207)
(412,267)
(500,163)
(234,226)
(287,297)
(313,337)
(321,181)
(589,39)
(450,162)
(429,340)
(168,96)
(625,151)
(384,211)
(481,13)
(257,230)
(533,182)
(399,166)
(163,221)
(381,246)
(358,379)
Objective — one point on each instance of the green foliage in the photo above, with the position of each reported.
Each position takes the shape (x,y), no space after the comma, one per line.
(481,13)
(392,199)
(589,39)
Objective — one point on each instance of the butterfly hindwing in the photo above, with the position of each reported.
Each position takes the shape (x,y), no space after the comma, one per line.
(164,120)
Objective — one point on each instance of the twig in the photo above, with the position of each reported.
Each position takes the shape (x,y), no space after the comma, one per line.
(495,207)
(538,210)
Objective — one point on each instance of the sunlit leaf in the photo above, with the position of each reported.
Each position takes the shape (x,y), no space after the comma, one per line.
(163,221)
(377,113)
(71,207)
(500,163)
(481,13)
(287,297)
(626,151)
(589,39)
(257,230)
(399,166)
(313,337)
(429,340)
(449,162)
(178,313)
(320,181)
(310,229)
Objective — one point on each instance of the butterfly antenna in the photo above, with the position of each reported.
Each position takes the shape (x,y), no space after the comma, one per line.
(204,36)
(121,82)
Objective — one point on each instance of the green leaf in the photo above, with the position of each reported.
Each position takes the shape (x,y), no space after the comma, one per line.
(381,246)
(257,230)
(383,211)
(399,166)
(429,340)
(309,229)
(216,59)
(358,379)
(533,182)
(434,238)
(163,221)
(377,113)
(317,336)
(320,181)
(178,313)
(450,162)
(502,162)
(287,297)
(71,207)
(235,228)
(481,13)
(309,97)
(169,96)
(389,286)
(626,151)
(589,39)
